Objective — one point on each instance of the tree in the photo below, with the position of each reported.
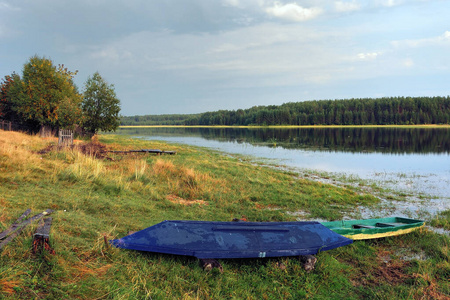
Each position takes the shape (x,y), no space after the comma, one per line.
(7,94)
(101,107)
(46,95)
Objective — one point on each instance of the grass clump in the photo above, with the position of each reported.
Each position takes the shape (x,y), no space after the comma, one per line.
(95,198)
(442,220)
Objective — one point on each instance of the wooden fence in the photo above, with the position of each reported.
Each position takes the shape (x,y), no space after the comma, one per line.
(5,125)
(65,137)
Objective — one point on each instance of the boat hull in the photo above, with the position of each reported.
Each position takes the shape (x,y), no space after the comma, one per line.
(374,228)
(203,239)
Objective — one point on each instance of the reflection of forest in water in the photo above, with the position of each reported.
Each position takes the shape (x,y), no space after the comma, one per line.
(386,140)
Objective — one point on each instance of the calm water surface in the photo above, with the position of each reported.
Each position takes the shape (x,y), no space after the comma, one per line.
(414,161)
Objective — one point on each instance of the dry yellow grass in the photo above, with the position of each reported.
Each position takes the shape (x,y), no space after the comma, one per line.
(183,182)
(7,285)
(19,150)
(84,166)
(179,200)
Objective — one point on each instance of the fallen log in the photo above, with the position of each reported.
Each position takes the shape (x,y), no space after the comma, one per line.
(155,151)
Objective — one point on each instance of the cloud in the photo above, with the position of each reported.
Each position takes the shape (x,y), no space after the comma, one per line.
(368,56)
(408,63)
(389,3)
(342,6)
(293,12)
(437,40)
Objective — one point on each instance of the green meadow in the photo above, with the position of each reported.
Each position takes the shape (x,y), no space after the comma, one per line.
(97,196)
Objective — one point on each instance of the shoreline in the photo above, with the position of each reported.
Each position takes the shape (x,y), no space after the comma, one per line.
(287,126)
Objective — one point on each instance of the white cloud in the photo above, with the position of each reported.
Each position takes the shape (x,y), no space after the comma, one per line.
(437,40)
(389,3)
(342,6)
(368,56)
(293,12)
(408,63)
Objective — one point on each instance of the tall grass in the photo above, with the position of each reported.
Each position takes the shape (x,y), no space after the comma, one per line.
(82,167)
(17,154)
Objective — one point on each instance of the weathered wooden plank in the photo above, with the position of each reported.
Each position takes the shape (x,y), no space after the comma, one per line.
(44,227)
(22,226)
(155,151)
(14,225)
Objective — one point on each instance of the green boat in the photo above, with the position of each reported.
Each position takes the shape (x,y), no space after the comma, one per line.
(374,228)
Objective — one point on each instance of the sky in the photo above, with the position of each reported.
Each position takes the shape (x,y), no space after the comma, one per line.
(193,56)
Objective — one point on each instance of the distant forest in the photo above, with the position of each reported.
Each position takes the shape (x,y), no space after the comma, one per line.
(367,111)
(158,119)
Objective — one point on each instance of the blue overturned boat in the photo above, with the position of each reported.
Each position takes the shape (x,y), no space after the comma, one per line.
(213,240)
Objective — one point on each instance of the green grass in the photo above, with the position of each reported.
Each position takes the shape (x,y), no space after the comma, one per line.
(442,220)
(95,198)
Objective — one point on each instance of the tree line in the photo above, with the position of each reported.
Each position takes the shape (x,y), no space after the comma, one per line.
(367,111)
(175,119)
(45,98)
(362,111)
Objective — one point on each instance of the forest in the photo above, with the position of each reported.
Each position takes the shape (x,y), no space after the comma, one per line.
(158,119)
(362,111)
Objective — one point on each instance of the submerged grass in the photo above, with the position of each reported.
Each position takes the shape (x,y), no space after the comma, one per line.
(94,198)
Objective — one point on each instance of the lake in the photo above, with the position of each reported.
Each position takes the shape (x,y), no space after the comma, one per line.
(412,161)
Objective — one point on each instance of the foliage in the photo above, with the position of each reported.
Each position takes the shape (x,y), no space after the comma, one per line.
(44,93)
(101,107)
(7,94)
(173,119)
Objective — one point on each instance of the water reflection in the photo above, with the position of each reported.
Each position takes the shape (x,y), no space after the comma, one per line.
(356,140)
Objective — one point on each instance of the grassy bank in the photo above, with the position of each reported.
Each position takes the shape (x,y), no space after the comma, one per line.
(93,198)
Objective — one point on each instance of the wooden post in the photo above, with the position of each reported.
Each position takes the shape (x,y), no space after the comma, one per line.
(41,240)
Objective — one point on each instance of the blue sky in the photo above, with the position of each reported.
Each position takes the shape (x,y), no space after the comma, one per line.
(191,56)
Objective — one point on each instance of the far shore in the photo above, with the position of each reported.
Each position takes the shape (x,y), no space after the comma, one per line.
(288,126)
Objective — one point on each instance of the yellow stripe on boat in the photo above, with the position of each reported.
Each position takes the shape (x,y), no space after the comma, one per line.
(363,236)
